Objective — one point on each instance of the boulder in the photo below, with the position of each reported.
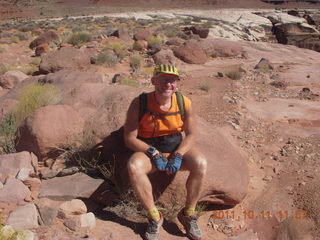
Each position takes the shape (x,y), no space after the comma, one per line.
(65,58)
(221,48)
(82,222)
(264,64)
(145,33)
(164,56)
(227,177)
(67,80)
(14,191)
(190,52)
(43,48)
(24,217)
(45,38)
(11,78)
(71,208)
(199,30)
(176,41)
(49,128)
(11,164)
(78,185)
(287,33)
(140,45)
(6,106)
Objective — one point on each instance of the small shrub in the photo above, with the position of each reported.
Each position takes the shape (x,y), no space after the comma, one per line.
(234,73)
(129,82)
(170,30)
(34,96)
(137,46)
(208,24)
(264,69)
(108,58)
(135,61)
(15,39)
(120,50)
(148,70)
(205,86)
(23,36)
(79,38)
(153,41)
(8,127)
(35,61)
(28,69)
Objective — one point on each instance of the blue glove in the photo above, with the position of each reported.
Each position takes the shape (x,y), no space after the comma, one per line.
(160,161)
(174,163)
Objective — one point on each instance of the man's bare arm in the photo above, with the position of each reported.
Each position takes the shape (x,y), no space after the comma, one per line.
(131,129)
(190,131)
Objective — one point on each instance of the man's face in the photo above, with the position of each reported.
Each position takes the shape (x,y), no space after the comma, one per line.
(165,84)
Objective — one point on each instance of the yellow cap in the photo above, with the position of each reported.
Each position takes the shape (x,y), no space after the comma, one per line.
(165,68)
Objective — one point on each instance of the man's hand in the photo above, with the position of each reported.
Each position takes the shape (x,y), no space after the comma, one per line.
(174,163)
(160,161)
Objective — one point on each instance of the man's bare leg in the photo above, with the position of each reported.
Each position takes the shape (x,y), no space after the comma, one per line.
(139,166)
(196,164)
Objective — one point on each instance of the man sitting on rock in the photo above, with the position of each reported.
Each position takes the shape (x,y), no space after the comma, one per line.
(153,130)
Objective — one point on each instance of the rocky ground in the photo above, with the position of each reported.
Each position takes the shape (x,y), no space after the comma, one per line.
(267,114)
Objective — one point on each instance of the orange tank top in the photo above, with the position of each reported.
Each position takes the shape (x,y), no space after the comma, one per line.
(154,126)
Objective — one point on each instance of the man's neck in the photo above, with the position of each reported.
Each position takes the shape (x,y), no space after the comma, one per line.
(162,100)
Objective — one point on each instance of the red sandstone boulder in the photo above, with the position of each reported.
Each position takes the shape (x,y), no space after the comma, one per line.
(11,78)
(43,48)
(176,41)
(221,48)
(45,38)
(65,58)
(145,33)
(190,52)
(49,128)
(164,56)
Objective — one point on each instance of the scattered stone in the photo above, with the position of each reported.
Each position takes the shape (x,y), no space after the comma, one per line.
(68,171)
(71,208)
(264,65)
(145,34)
(83,221)
(78,185)
(34,186)
(176,41)
(221,74)
(14,191)
(47,173)
(117,78)
(23,174)
(248,235)
(48,210)
(10,164)
(41,49)
(267,178)
(164,56)
(279,84)
(11,78)
(24,217)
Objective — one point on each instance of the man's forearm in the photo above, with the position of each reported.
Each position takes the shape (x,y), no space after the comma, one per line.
(186,144)
(136,144)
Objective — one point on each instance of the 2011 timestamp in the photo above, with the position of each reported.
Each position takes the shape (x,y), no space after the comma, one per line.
(262,214)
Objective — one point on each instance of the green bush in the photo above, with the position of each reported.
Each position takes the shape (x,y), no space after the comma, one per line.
(154,41)
(79,38)
(120,50)
(31,97)
(129,82)
(170,30)
(205,86)
(137,46)
(108,58)
(135,61)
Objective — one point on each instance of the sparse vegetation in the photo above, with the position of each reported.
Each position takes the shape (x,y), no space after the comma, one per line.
(129,82)
(152,41)
(235,73)
(205,86)
(135,61)
(120,50)
(32,97)
(79,38)
(108,58)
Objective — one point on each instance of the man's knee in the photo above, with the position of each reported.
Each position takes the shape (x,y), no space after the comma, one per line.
(201,165)
(134,166)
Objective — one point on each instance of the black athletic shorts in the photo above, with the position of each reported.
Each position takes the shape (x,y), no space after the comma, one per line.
(165,144)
